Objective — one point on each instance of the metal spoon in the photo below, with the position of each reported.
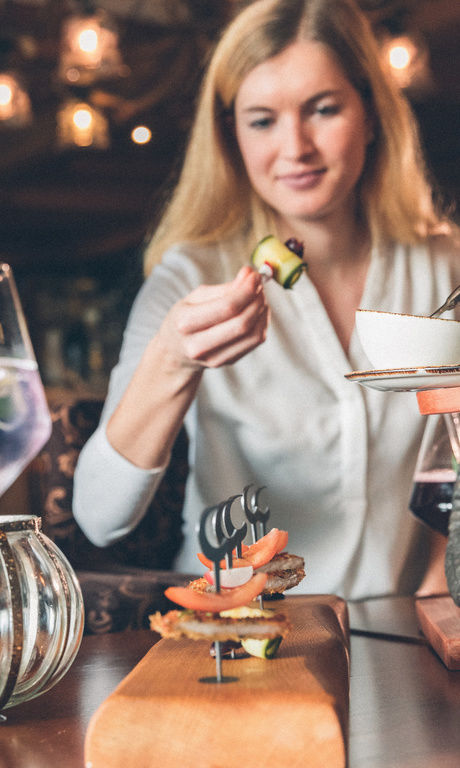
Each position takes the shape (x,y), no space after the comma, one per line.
(449,303)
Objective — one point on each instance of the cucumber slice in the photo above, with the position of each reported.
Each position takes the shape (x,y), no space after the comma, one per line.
(286,265)
(264,649)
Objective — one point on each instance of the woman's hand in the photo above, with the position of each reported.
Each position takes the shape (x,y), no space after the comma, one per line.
(216,325)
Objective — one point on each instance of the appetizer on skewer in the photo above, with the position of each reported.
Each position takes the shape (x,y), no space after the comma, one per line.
(281,261)
(219,606)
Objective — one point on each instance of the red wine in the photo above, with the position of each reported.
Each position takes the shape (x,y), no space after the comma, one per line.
(431,500)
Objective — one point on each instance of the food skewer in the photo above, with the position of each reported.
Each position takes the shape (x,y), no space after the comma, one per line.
(238,534)
(226,541)
(218,605)
(254,515)
(281,261)
(215,553)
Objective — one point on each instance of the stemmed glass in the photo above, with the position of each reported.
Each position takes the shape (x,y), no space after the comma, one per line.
(25,423)
(436,472)
(41,606)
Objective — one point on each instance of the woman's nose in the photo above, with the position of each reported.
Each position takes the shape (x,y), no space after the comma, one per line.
(297,139)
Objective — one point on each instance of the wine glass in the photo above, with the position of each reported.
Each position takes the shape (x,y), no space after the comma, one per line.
(436,471)
(25,423)
(41,605)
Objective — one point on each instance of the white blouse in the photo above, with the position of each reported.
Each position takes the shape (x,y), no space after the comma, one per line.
(337,458)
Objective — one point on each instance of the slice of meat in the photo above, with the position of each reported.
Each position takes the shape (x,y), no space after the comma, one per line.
(198,625)
(283,561)
(284,571)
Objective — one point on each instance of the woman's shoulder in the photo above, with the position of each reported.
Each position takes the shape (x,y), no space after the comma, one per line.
(446,240)
(444,244)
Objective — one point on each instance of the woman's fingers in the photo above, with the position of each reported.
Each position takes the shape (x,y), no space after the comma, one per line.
(238,324)
(241,332)
(215,325)
(209,305)
(232,351)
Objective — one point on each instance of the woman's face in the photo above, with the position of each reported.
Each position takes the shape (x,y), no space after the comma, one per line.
(302,130)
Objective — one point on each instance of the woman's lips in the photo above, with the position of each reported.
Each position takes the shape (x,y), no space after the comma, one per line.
(302,180)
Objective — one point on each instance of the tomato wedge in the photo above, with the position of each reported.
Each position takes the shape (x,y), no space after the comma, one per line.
(217,601)
(257,554)
(267,547)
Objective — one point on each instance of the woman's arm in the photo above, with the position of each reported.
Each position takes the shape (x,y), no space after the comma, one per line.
(211,327)
(121,466)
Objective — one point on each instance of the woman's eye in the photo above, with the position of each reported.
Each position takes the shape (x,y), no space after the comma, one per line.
(261,122)
(327,109)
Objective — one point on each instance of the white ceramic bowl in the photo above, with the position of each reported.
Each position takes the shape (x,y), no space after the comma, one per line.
(391,340)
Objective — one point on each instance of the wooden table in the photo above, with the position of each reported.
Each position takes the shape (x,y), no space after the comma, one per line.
(405,705)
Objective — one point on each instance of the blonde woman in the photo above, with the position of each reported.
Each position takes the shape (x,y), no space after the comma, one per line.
(300,133)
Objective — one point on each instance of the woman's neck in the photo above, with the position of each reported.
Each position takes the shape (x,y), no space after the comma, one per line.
(338,258)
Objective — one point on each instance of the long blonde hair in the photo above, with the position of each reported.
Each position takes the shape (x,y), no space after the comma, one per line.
(213,198)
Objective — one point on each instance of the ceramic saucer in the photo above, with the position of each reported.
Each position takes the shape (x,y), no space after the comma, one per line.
(408,379)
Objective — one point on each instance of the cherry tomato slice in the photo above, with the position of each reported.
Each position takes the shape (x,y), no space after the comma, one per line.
(217,601)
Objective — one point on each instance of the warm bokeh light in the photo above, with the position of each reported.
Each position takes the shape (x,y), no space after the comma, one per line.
(399,56)
(82,118)
(15,107)
(89,48)
(88,40)
(406,58)
(82,125)
(6,94)
(141,134)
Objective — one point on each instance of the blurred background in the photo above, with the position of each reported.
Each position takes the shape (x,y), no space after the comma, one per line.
(96,99)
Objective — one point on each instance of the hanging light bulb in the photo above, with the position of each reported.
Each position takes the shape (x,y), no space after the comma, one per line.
(15,108)
(81,125)
(89,48)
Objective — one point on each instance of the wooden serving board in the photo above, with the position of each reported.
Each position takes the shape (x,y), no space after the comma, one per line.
(439,620)
(291,710)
